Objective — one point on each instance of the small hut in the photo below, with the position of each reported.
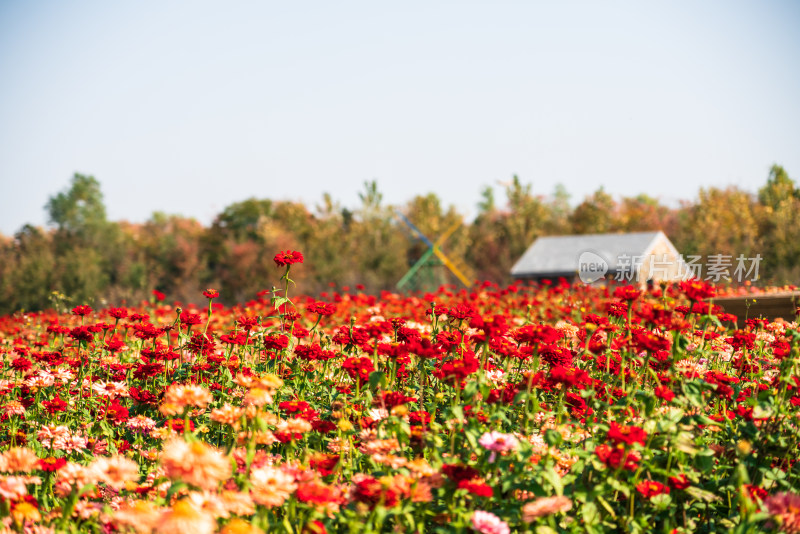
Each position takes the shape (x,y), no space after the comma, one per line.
(635,258)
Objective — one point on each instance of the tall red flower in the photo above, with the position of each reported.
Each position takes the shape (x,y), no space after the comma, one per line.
(210,293)
(697,290)
(288,257)
(651,488)
(82,310)
(626,434)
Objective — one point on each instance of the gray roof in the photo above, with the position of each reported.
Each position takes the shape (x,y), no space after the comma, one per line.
(558,255)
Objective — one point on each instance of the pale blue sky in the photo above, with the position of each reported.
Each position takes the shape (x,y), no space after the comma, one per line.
(186,107)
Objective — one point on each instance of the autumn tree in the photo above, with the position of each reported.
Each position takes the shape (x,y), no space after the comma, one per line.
(595,215)
(779,225)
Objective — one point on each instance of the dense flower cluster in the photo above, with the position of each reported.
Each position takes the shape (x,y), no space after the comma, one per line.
(531,408)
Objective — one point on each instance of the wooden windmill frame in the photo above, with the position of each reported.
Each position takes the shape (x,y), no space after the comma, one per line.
(459,269)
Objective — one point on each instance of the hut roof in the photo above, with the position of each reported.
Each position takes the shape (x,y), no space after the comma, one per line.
(558,255)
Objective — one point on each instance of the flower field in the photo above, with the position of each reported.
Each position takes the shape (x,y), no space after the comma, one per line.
(543,409)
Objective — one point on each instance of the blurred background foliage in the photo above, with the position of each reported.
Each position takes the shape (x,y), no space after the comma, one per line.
(85,258)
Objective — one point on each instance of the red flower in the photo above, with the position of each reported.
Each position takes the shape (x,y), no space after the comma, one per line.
(697,290)
(742,340)
(81,333)
(540,333)
(288,257)
(457,370)
(159,295)
(322,308)
(276,342)
(314,527)
(679,482)
(626,434)
(118,313)
(476,488)
(370,491)
(21,364)
(664,393)
(324,463)
(755,492)
(293,406)
(627,293)
(316,493)
(177,425)
(651,488)
(650,341)
(55,405)
(210,293)
(556,356)
(52,464)
(458,473)
(462,311)
(82,310)
(617,456)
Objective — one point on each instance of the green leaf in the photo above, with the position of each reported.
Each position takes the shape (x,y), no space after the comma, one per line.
(590,513)
(553,437)
(377,377)
(277,302)
(662,501)
(607,506)
(701,494)
(619,486)
(554,479)
(473,440)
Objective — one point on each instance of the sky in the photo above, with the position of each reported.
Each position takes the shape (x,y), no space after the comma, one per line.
(188,107)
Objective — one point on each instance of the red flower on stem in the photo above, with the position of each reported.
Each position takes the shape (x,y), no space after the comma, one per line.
(288,257)
(82,310)
(626,434)
(651,488)
(210,293)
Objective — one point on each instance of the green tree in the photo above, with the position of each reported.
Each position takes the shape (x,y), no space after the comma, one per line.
(595,215)
(722,221)
(643,213)
(779,225)
(379,247)
(26,271)
(78,212)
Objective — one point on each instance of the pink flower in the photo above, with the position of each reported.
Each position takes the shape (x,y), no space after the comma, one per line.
(498,442)
(488,523)
(786,508)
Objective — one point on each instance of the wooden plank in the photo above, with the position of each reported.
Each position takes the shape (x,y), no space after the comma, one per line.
(768,306)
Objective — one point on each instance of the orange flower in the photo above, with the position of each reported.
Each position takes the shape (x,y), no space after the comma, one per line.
(197,463)
(239,526)
(185,517)
(545,506)
(271,486)
(116,471)
(18,460)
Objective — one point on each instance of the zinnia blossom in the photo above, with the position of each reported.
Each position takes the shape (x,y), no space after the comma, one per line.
(116,471)
(785,507)
(651,488)
(186,517)
(488,523)
(179,396)
(498,442)
(626,434)
(18,460)
(545,506)
(271,486)
(197,463)
(288,257)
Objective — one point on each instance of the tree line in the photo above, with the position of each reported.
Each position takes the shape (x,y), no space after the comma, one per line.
(82,257)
